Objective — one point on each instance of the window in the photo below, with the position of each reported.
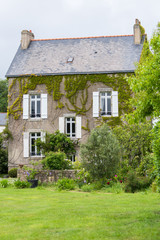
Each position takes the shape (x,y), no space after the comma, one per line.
(70,59)
(35,106)
(29,143)
(105,103)
(73,158)
(34,151)
(70,127)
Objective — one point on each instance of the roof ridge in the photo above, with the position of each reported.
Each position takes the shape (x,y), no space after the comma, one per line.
(81,37)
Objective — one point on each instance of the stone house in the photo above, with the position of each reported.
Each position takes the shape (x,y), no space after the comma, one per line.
(70,84)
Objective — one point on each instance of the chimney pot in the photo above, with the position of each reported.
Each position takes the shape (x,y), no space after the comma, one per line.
(137,32)
(26,37)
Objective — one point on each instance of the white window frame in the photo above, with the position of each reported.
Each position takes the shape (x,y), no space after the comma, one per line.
(78,127)
(106,97)
(70,121)
(97,103)
(27,102)
(30,141)
(35,100)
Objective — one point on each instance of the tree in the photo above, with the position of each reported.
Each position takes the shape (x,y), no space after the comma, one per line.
(3,157)
(3,95)
(146,87)
(135,141)
(100,155)
(146,82)
(57,142)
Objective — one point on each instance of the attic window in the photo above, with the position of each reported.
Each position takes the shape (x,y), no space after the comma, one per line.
(70,59)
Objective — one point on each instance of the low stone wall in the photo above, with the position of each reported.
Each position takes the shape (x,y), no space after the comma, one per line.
(47,175)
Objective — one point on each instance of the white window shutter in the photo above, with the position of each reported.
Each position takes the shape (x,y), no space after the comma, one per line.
(25,106)
(61,124)
(26,144)
(78,127)
(114,103)
(44,105)
(43,136)
(95,104)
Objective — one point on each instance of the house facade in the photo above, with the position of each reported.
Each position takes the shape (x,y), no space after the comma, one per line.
(71,85)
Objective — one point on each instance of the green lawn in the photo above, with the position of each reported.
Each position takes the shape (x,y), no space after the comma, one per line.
(37,214)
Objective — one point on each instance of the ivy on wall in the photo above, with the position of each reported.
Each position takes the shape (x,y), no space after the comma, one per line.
(74,86)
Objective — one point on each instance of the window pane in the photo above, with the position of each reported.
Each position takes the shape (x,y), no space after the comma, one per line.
(68,128)
(32,134)
(73,127)
(109,106)
(38,96)
(103,94)
(38,134)
(38,108)
(108,93)
(103,106)
(32,96)
(32,146)
(33,109)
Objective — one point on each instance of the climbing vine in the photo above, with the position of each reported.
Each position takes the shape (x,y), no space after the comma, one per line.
(76,90)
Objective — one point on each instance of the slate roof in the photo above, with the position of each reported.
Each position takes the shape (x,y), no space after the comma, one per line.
(3,119)
(108,54)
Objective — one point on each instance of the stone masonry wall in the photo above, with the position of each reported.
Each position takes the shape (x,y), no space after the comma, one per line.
(47,175)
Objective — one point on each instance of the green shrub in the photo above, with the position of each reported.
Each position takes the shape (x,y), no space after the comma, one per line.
(57,142)
(13,173)
(135,141)
(82,177)
(135,183)
(154,187)
(3,157)
(66,184)
(56,161)
(21,184)
(101,154)
(87,188)
(4,183)
(98,185)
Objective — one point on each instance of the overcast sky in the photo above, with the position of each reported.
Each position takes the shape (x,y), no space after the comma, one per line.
(70,18)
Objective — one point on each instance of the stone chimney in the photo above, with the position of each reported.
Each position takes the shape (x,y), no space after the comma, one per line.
(26,37)
(137,32)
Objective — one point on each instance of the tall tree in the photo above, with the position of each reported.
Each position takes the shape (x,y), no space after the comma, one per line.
(3,95)
(146,82)
(146,87)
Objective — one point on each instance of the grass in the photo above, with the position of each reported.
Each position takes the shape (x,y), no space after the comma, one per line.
(35,214)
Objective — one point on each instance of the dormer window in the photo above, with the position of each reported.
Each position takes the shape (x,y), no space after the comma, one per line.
(70,59)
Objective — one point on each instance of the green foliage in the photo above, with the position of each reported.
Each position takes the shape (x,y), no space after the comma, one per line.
(3,157)
(133,183)
(13,173)
(156,150)
(82,177)
(76,92)
(3,95)
(135,140)
(4,183)
(87,188)
(57,142)
(21,184)
(65,184)
(100,155)
(145,83)
(56,161)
